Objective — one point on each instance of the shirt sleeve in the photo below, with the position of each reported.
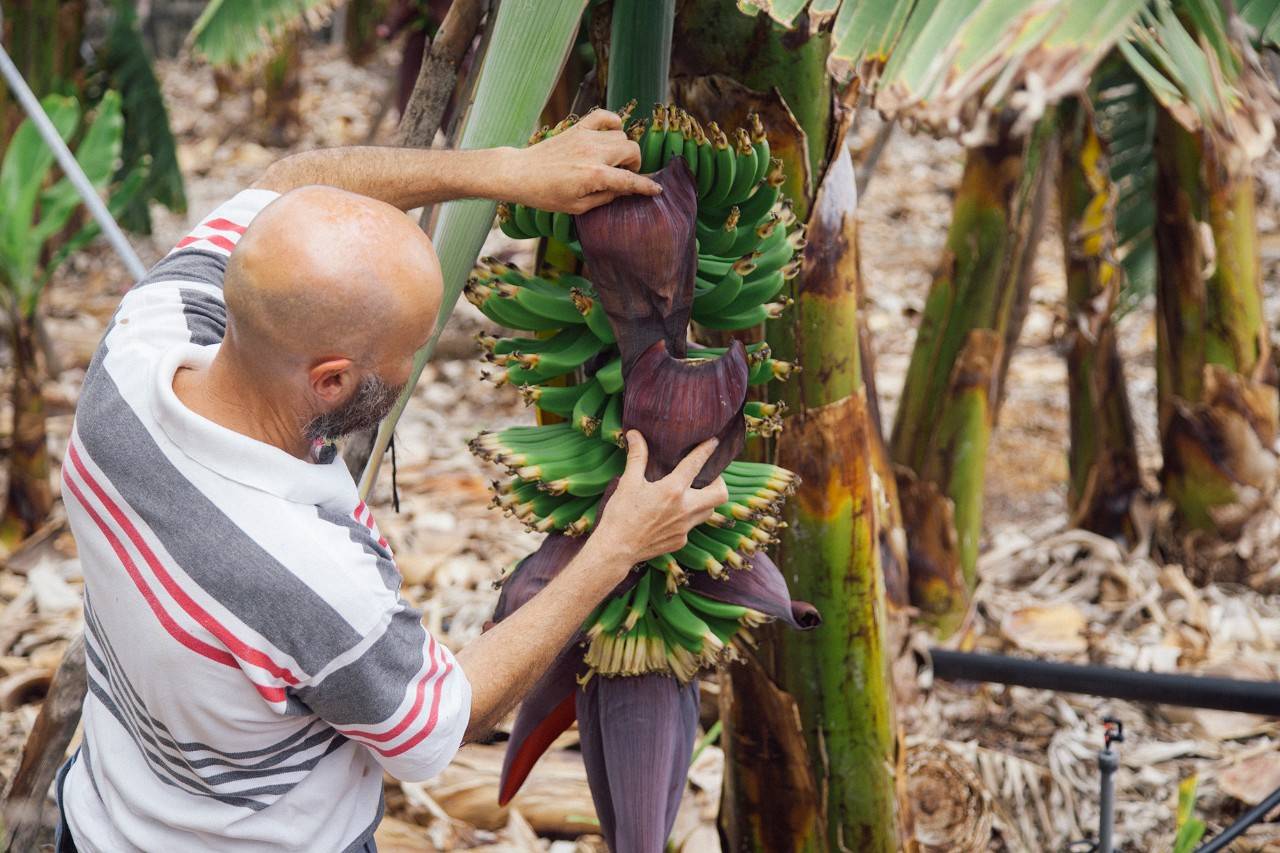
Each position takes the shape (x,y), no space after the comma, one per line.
(180,298)
(400,693)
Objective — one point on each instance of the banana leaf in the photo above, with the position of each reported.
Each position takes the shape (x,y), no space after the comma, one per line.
(235,32)
(527,50)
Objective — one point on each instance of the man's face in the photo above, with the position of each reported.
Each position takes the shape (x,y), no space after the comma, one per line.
(371,402)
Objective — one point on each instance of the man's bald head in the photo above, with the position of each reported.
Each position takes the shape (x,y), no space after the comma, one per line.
(327,293)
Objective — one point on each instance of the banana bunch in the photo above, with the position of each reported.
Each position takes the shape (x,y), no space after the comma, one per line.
(568,365)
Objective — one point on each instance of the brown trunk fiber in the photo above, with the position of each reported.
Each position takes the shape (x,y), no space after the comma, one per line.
(30,494)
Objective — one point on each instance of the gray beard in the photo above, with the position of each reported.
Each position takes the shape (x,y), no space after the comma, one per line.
(366,409)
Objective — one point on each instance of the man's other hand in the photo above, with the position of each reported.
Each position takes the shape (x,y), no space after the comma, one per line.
(588,165)
(644,519)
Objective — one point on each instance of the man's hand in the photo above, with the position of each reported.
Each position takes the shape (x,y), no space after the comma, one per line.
(644,519)
(588,165)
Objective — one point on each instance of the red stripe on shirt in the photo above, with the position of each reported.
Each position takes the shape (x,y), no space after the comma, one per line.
(429,726)
(200,647)
(216,239)
(194,610)
(419,700)
(221,224)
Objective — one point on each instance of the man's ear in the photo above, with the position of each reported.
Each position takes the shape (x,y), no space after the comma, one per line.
(332,380)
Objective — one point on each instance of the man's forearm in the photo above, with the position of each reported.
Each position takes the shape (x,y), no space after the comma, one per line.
(506,661)
(403,177)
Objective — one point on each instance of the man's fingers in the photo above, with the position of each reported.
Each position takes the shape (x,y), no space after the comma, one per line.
(601,120)
(624,182)
(625,154)
(713,494)
(637,454)
(689,466)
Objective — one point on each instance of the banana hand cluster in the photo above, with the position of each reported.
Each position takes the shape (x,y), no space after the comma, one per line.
(569,366)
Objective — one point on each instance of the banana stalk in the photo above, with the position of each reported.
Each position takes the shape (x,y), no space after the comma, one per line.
(1103,460)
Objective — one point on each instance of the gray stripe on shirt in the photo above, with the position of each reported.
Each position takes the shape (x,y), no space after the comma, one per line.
(279,751)
(363,536)
(212,550)
(371,688)
(188,265)
(206,316)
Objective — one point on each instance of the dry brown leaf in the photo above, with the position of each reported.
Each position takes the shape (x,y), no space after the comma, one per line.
(1052,629)
(1251,780)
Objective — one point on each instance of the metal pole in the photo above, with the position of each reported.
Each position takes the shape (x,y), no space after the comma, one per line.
(69,165)
(1108,763)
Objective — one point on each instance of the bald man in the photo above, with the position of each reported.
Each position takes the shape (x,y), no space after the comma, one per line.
(252,667)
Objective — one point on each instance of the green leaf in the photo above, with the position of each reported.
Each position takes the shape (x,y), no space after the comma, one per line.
(1190,828)
(527,49)
(233,32)
(125,193)
(22,174)
(1125,119)
(125,66)
(97,154)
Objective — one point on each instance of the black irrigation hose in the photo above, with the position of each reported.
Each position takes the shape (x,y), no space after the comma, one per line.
(1190,691)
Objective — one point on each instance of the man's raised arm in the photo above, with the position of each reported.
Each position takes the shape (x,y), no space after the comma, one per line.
(587,165)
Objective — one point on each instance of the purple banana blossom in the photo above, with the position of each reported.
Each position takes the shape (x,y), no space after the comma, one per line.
(761,587)
(677,405)
(637,736)
(641,252)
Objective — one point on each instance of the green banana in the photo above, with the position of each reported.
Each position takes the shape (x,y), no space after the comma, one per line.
(757,292)
(540,505)
(713,300)
(549,470)
(744,170)
(565,514)
(725,163)
(698,560)
(639,601)
(721,552)
(611,616)
(755,352)
(712,268)
(759,141)
(716,240)
(611,421)
(524,219)
(562,227)
(505,311)
(651,142)
(711,607)
(771,368)
(587,520)
(683,621)
(592,312)
(558,400)
(729,538)
(542,218)
(562,361)
(586,477)
(508,224)
(752,316)
(610,376)
(692,135)
(586,411)
(673,139)
(706,165)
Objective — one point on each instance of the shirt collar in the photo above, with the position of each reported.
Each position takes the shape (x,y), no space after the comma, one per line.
(239,457)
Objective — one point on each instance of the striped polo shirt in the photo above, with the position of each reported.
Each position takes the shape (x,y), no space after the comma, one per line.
(252,667)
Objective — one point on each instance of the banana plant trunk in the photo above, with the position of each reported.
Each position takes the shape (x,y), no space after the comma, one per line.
(1217,403)
(1103,458)
(809,731)
(30,496)
(972,319)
